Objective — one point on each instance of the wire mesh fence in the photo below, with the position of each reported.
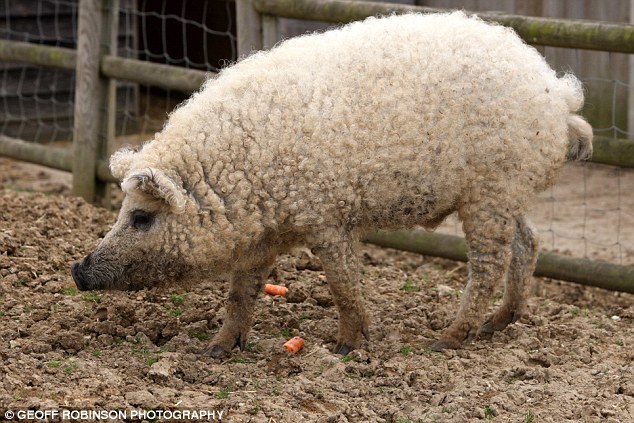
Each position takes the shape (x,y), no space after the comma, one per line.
(192,34)
(590,212)
(37,102)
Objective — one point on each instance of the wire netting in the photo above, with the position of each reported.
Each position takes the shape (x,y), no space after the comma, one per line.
(37,102)
(590,212)
(192,34)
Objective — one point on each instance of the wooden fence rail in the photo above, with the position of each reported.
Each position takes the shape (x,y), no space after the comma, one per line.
(155,74)
(54,157)
(38,55)
(586,272)
(534,30)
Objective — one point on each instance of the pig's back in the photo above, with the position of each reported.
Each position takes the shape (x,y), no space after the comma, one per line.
(387,121)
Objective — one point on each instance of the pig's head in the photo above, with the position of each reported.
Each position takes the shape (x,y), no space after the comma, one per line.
(159,237)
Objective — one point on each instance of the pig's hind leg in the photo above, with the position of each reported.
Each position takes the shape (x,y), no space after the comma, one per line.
(489,230)
(245,287)
(520,271)
(340,262)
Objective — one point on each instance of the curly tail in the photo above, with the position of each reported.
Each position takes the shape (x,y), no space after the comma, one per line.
(579,138)
(579,131)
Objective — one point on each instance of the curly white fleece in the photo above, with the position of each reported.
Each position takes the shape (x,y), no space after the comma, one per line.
(389,122)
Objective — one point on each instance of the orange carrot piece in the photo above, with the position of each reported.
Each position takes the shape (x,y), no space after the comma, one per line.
(271,289)
(294,344)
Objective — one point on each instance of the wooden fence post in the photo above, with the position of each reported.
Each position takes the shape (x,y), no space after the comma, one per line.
(94,95)
(630,100)
(249,26)
(271,31)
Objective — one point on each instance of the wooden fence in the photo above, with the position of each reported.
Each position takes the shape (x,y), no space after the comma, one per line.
(98,67)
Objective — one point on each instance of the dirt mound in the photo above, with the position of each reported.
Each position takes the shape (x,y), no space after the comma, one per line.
(571,359)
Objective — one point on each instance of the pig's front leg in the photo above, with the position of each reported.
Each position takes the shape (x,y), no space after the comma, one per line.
(340,262)
(244,290)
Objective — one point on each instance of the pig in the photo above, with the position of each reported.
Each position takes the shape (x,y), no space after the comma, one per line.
(393,122)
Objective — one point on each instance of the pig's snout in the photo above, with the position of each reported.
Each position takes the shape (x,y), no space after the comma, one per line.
(79,276)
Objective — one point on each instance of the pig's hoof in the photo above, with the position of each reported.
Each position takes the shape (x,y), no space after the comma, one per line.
(217,351)
(454,336)
(485,334)
(342,349)
(221,348)
(497,322)
(488,329)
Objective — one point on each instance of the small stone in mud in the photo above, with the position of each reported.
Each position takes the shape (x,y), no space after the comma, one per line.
(322,296)
(307,261)
(360,356)
(39,315)
(161,370)
(297,294)
(143,399)
(445,291)
(70,341)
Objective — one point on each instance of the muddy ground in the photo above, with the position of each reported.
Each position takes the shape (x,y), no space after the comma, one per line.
(570,360)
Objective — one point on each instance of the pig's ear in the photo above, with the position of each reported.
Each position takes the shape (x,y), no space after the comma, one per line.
(121,162)
(155,183)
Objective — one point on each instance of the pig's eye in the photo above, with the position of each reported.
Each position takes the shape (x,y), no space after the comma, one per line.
(141,220)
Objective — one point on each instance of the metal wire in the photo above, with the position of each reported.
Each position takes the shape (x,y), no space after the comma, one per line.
(37,103)
(198,37)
